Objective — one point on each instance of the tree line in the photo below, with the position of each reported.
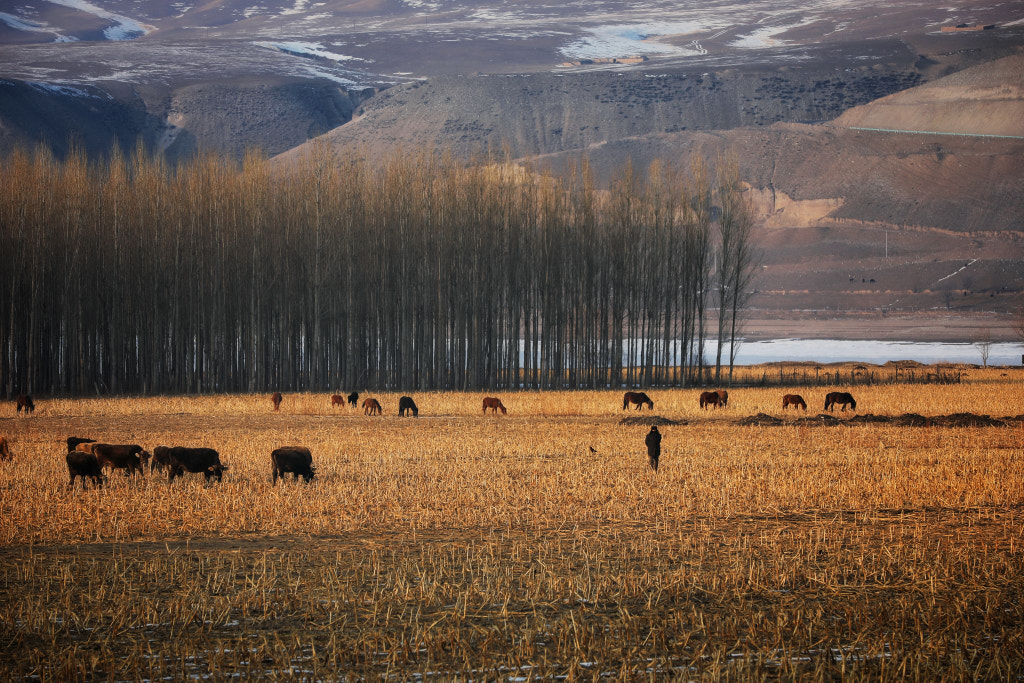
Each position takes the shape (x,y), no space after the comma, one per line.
(423,272)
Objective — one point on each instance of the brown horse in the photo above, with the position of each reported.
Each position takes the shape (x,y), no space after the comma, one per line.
(637,398)
(710,398)
(5,450)
(371,406)
(795,400)
(495,405)
(840,398)
(25,401)
(276,400)
(337,400)
(723,397)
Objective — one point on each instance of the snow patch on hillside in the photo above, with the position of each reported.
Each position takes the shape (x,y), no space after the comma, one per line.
(302,49)
(765,37)
(620,40)
(124,28)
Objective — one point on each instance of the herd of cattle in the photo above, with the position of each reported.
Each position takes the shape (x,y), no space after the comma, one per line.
(87,459)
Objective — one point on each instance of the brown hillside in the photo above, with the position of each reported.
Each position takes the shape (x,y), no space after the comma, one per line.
(982,100)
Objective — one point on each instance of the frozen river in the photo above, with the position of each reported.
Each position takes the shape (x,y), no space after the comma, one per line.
(837,350)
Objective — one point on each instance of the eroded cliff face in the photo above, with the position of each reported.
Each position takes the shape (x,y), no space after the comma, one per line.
(548,113)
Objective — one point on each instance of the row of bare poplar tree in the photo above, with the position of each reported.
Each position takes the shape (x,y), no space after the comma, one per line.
(128,276)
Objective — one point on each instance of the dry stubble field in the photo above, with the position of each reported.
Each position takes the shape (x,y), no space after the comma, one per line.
(462,546)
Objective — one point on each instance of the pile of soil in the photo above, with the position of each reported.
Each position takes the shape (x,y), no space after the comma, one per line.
(649,421)
(869,418)
(911,420)
(760,420)
(966,420)
(821,420)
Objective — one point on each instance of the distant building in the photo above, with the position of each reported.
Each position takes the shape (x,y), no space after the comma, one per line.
(631,59)
(968,27)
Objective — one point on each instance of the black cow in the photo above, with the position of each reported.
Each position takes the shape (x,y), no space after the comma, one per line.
(205,460)
(353,399)
(295,459)
(84,465)
(405,405)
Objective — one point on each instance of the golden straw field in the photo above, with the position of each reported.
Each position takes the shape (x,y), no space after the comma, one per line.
(537,545)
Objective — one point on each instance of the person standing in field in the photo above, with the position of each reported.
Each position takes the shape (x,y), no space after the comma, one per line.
(653,442)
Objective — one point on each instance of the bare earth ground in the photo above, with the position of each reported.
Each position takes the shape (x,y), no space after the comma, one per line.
(534,545)
(925,326)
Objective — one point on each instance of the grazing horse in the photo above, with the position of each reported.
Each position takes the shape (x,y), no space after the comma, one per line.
(710,398)
(276,400)
(638,398)
(406,405)
(337,400)
(353,399)
(840,398)
(371,406)
(5,450)
(25,401)
(494,404)
(723,397)
(795,400)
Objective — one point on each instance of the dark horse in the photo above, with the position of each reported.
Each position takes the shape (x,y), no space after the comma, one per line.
(25,401)
(840,398)
(638,398)
(371,406)
(353,399)
(710,398)
(795,400)
(406,405)
(276,400)
(494,404)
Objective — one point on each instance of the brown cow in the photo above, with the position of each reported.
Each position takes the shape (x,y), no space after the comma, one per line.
(795,400)
(337,400)
(371,406)
(495,405)
(5,450)
(84,465)
(73,442)
(709,398)
(25,401)
(128,457)
(276,400)
(161,459)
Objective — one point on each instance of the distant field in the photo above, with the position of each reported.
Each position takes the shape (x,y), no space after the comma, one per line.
(457,544)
